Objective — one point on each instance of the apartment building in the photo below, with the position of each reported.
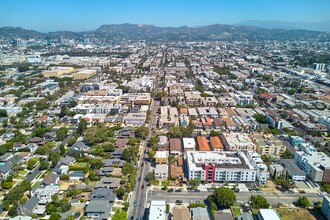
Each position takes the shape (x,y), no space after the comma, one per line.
(315,164)
(273,118)
(268,144)
(110,100)
(136,98)
(189,144)
(84,74)
(210,101)
(193,98)
(237,142)
(219,167)
(242,97)
(135,119)
(168,117)
(208,112)
(256,161)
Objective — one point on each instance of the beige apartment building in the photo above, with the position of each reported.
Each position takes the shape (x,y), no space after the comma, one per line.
(268,144)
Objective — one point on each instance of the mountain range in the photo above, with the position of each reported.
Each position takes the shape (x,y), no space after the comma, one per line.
(317,26)
(118,32)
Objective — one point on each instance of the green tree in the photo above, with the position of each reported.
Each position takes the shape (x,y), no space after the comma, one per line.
(55,216)
(303,202)
(12,212)
(150,177)
(61,133)
(259,202)
(62,149)
(95,163)
(44,164)
(142,132)
(194,183)
(260,118)
(128,168)
(54,157)
(287,154)
(120,192)
(82,126)
(222,197)
(119,215)
(130,154)
(3,113)
(31,163)
(133,141)
(72,141)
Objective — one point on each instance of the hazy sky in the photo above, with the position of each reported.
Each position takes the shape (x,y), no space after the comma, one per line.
(77,15)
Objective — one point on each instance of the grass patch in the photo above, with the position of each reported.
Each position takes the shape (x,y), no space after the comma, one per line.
(236,211)
(295,213)
(115,209)
(35,185)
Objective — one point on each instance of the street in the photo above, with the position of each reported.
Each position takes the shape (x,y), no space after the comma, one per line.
(138,199)
(272,198)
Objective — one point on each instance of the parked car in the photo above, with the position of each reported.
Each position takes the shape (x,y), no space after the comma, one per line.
(178,201)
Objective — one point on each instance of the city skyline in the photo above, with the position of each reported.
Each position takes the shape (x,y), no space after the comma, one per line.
(84,16)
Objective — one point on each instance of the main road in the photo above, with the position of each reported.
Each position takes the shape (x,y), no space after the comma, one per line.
(139,195)
(272,197)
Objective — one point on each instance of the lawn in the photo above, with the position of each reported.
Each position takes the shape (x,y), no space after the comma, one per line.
(35,185)
(236,211)
(295,213)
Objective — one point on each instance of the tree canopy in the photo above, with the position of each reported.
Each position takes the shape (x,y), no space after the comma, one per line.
(303,201)
(259,202)
(222,197)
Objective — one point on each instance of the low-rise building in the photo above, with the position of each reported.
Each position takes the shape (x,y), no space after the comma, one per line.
(157,210)
(161,171)
(268,145)
(175,147)
(161,157)
(189,144)
(326,207)
(256,161)
(315,164)
(219,166)
(293,171)
(237,141)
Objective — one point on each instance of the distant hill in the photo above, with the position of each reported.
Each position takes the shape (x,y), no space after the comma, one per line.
(320,26)
(118,32)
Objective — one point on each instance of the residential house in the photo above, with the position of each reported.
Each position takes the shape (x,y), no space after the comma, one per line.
(29,206)
(200,213)
(162,144)
(175,147)
(108,182)
(161,171)
(5,170)
(161,157)
(181,213)
(18,146)
(50,179)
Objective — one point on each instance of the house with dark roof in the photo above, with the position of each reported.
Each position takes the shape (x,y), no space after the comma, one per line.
(108,182)
(175,146)
(6,156)
(18,146)
(29,206)
(98,209)
(5,170)
(200,213)
(104,194)
(50,179)
(51,135)
(80,146)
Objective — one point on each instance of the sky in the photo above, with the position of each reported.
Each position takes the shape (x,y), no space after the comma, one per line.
(82,15)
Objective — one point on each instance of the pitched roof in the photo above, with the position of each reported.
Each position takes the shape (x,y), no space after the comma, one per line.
(32,203)
(216,143)
(6,167)
(175,144)
(181,213)
(50,178)
(203,145)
